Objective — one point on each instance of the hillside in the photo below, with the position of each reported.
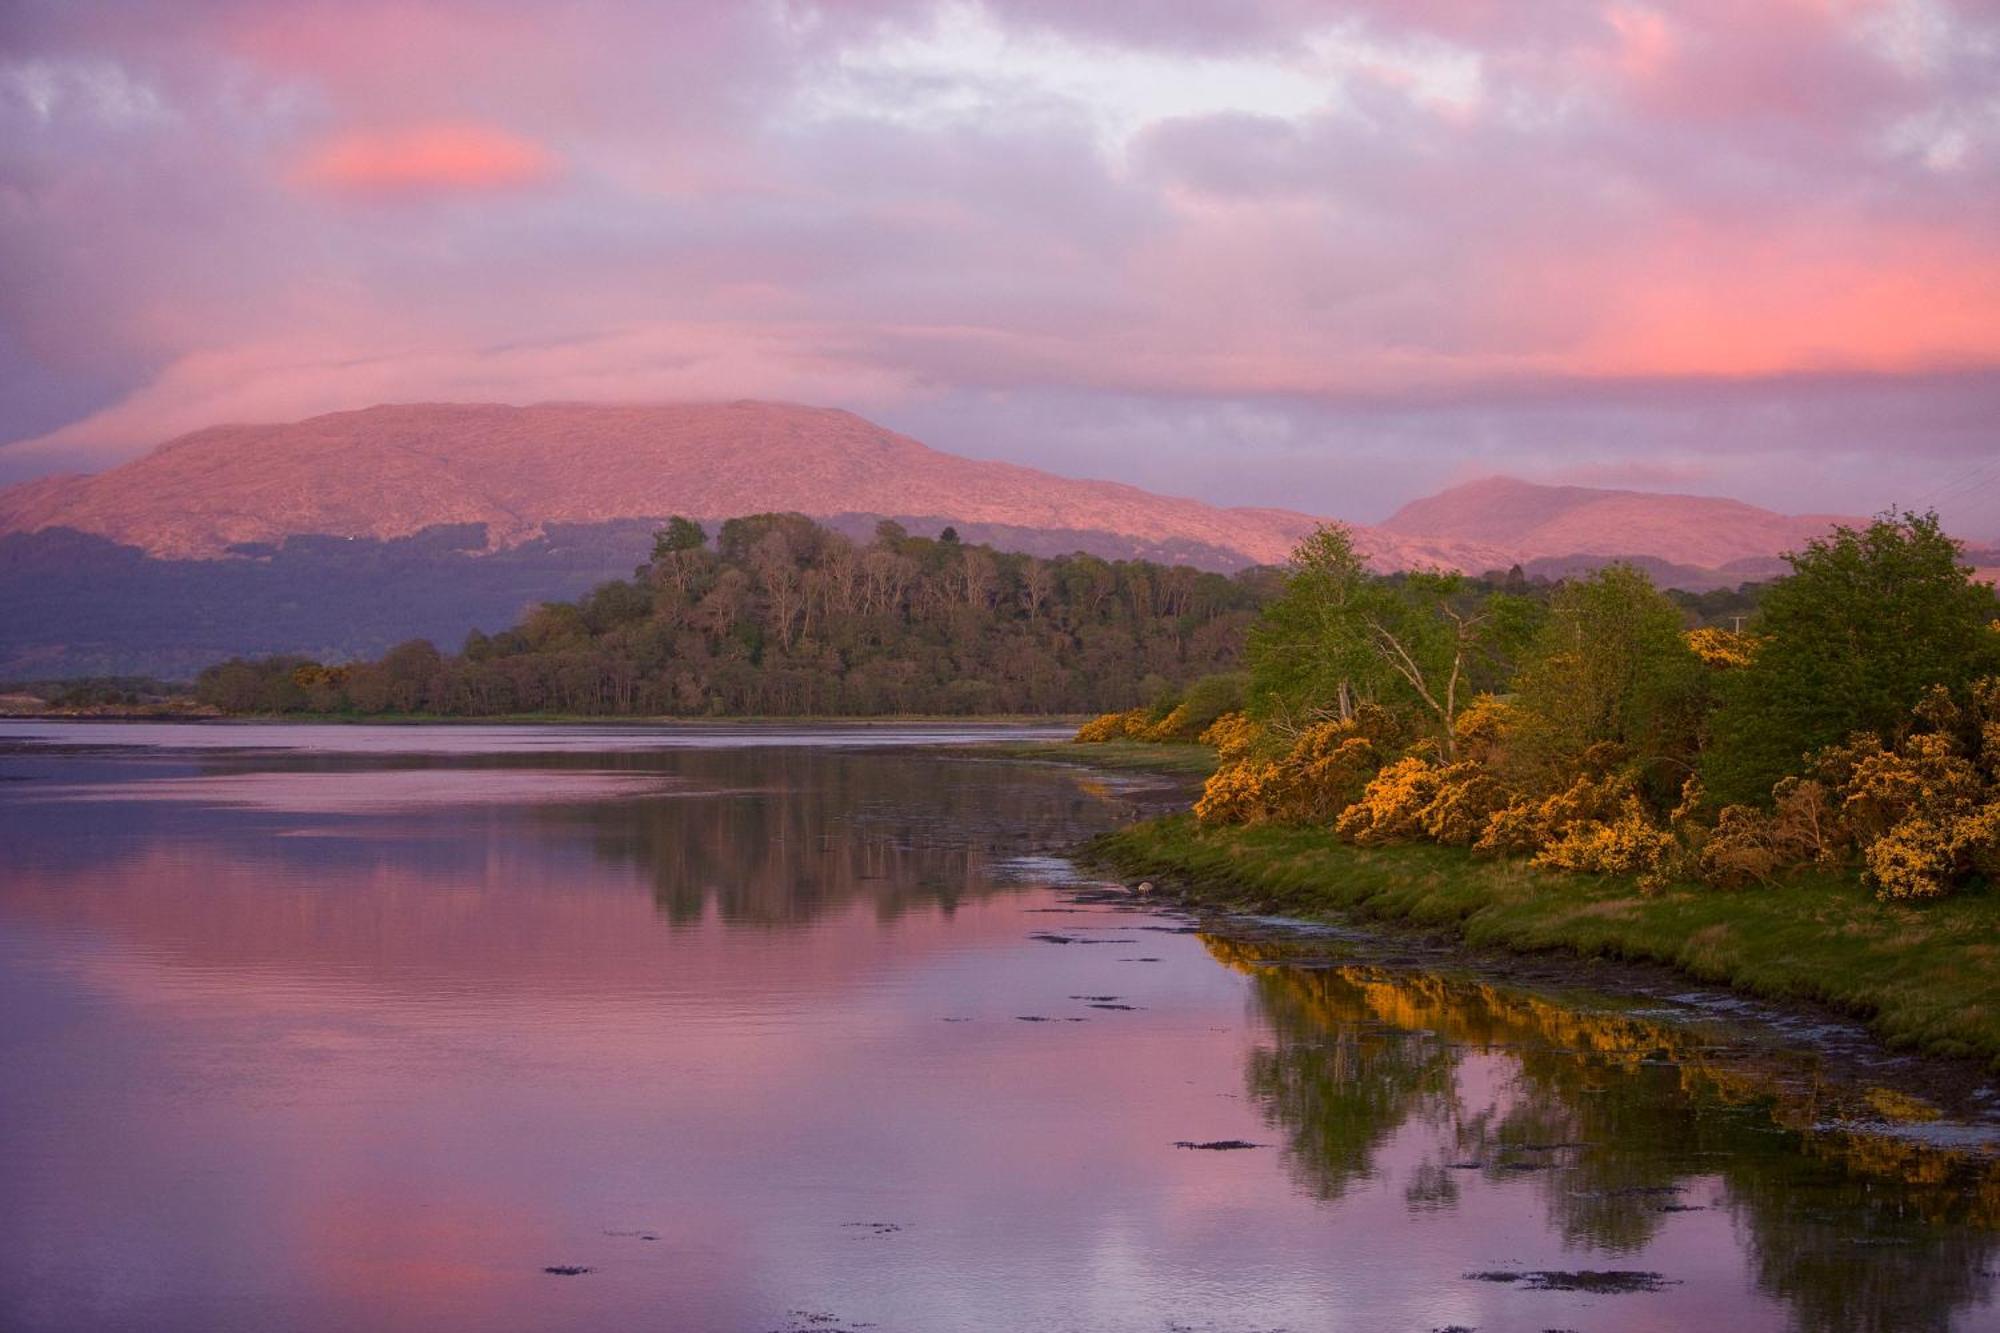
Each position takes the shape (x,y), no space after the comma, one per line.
(391,472)
(1539,522)
(388,472)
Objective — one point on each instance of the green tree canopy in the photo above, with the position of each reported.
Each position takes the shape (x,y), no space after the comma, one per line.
(1421,644)
(1869,620)
(1308,652)
(1610,664)
(680,534)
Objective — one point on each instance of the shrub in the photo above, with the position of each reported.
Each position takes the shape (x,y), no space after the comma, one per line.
(1526,824)
(1175,726)
(1392,805)
(1325,770)
(1234,736)
(1466,798)
(1240,793)
(1210,697)
(1740,850)
(1482,728)
(1912,860)
(1921,778)
(1748,845)
(1114,727)
(1416,797)
(1628,843)
(1726,650)
(1806,822)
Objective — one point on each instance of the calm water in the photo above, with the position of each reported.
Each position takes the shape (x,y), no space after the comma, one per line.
(365,1028)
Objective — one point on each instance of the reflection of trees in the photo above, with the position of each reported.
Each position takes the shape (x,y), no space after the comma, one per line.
(773,835)
(1851,1252)
(793,833)
(1339,1090)
(1611,1117)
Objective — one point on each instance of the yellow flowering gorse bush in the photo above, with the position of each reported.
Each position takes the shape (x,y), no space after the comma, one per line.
(1130,725)
(1725,649)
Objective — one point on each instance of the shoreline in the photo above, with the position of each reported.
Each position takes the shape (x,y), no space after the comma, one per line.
(1167,760)
(1832,1074)
(1919,979)
(548,719)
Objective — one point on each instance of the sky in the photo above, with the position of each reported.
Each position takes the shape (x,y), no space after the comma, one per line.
(1330,256)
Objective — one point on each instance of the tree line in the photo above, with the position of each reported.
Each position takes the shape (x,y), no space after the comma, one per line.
(779,616)
(1600,727)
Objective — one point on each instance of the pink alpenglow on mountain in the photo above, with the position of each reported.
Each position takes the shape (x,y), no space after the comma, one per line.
(390,471)
(1540,521)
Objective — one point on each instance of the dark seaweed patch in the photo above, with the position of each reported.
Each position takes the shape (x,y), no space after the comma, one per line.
(1603,1282)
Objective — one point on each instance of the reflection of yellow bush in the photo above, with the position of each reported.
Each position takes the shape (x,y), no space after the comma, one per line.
(1893,1104)
(1567,1053)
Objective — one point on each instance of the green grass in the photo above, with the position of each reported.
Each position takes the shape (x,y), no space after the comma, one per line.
(1173,758)
(1924,978)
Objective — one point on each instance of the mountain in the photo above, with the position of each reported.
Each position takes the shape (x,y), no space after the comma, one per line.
(392,471)
(1556,522)
(343,534)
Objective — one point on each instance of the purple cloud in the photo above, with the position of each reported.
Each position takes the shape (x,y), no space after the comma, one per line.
(1272,252)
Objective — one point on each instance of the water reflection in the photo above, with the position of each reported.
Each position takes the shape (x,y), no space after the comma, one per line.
(348,1035)
(1619,1124)
(755,834)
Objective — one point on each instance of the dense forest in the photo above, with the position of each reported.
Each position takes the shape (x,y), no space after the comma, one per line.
(779,616)
(1851,718)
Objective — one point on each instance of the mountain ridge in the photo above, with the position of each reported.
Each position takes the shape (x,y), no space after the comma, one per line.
(390,471)
(1537,521)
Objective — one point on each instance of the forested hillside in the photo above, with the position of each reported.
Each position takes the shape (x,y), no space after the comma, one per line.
(781,616)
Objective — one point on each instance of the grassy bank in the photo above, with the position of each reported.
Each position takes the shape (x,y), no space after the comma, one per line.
(1169,758)
(1922,977)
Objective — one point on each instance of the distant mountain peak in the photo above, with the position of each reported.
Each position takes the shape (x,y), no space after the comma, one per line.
(1537,521)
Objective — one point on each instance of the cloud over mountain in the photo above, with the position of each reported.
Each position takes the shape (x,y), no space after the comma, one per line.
(1323,255)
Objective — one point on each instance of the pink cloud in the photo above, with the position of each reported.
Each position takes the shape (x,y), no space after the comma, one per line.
(427,159)
(1666,198)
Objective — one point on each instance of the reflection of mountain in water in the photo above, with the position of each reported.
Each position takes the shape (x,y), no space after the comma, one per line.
(1617,1122)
